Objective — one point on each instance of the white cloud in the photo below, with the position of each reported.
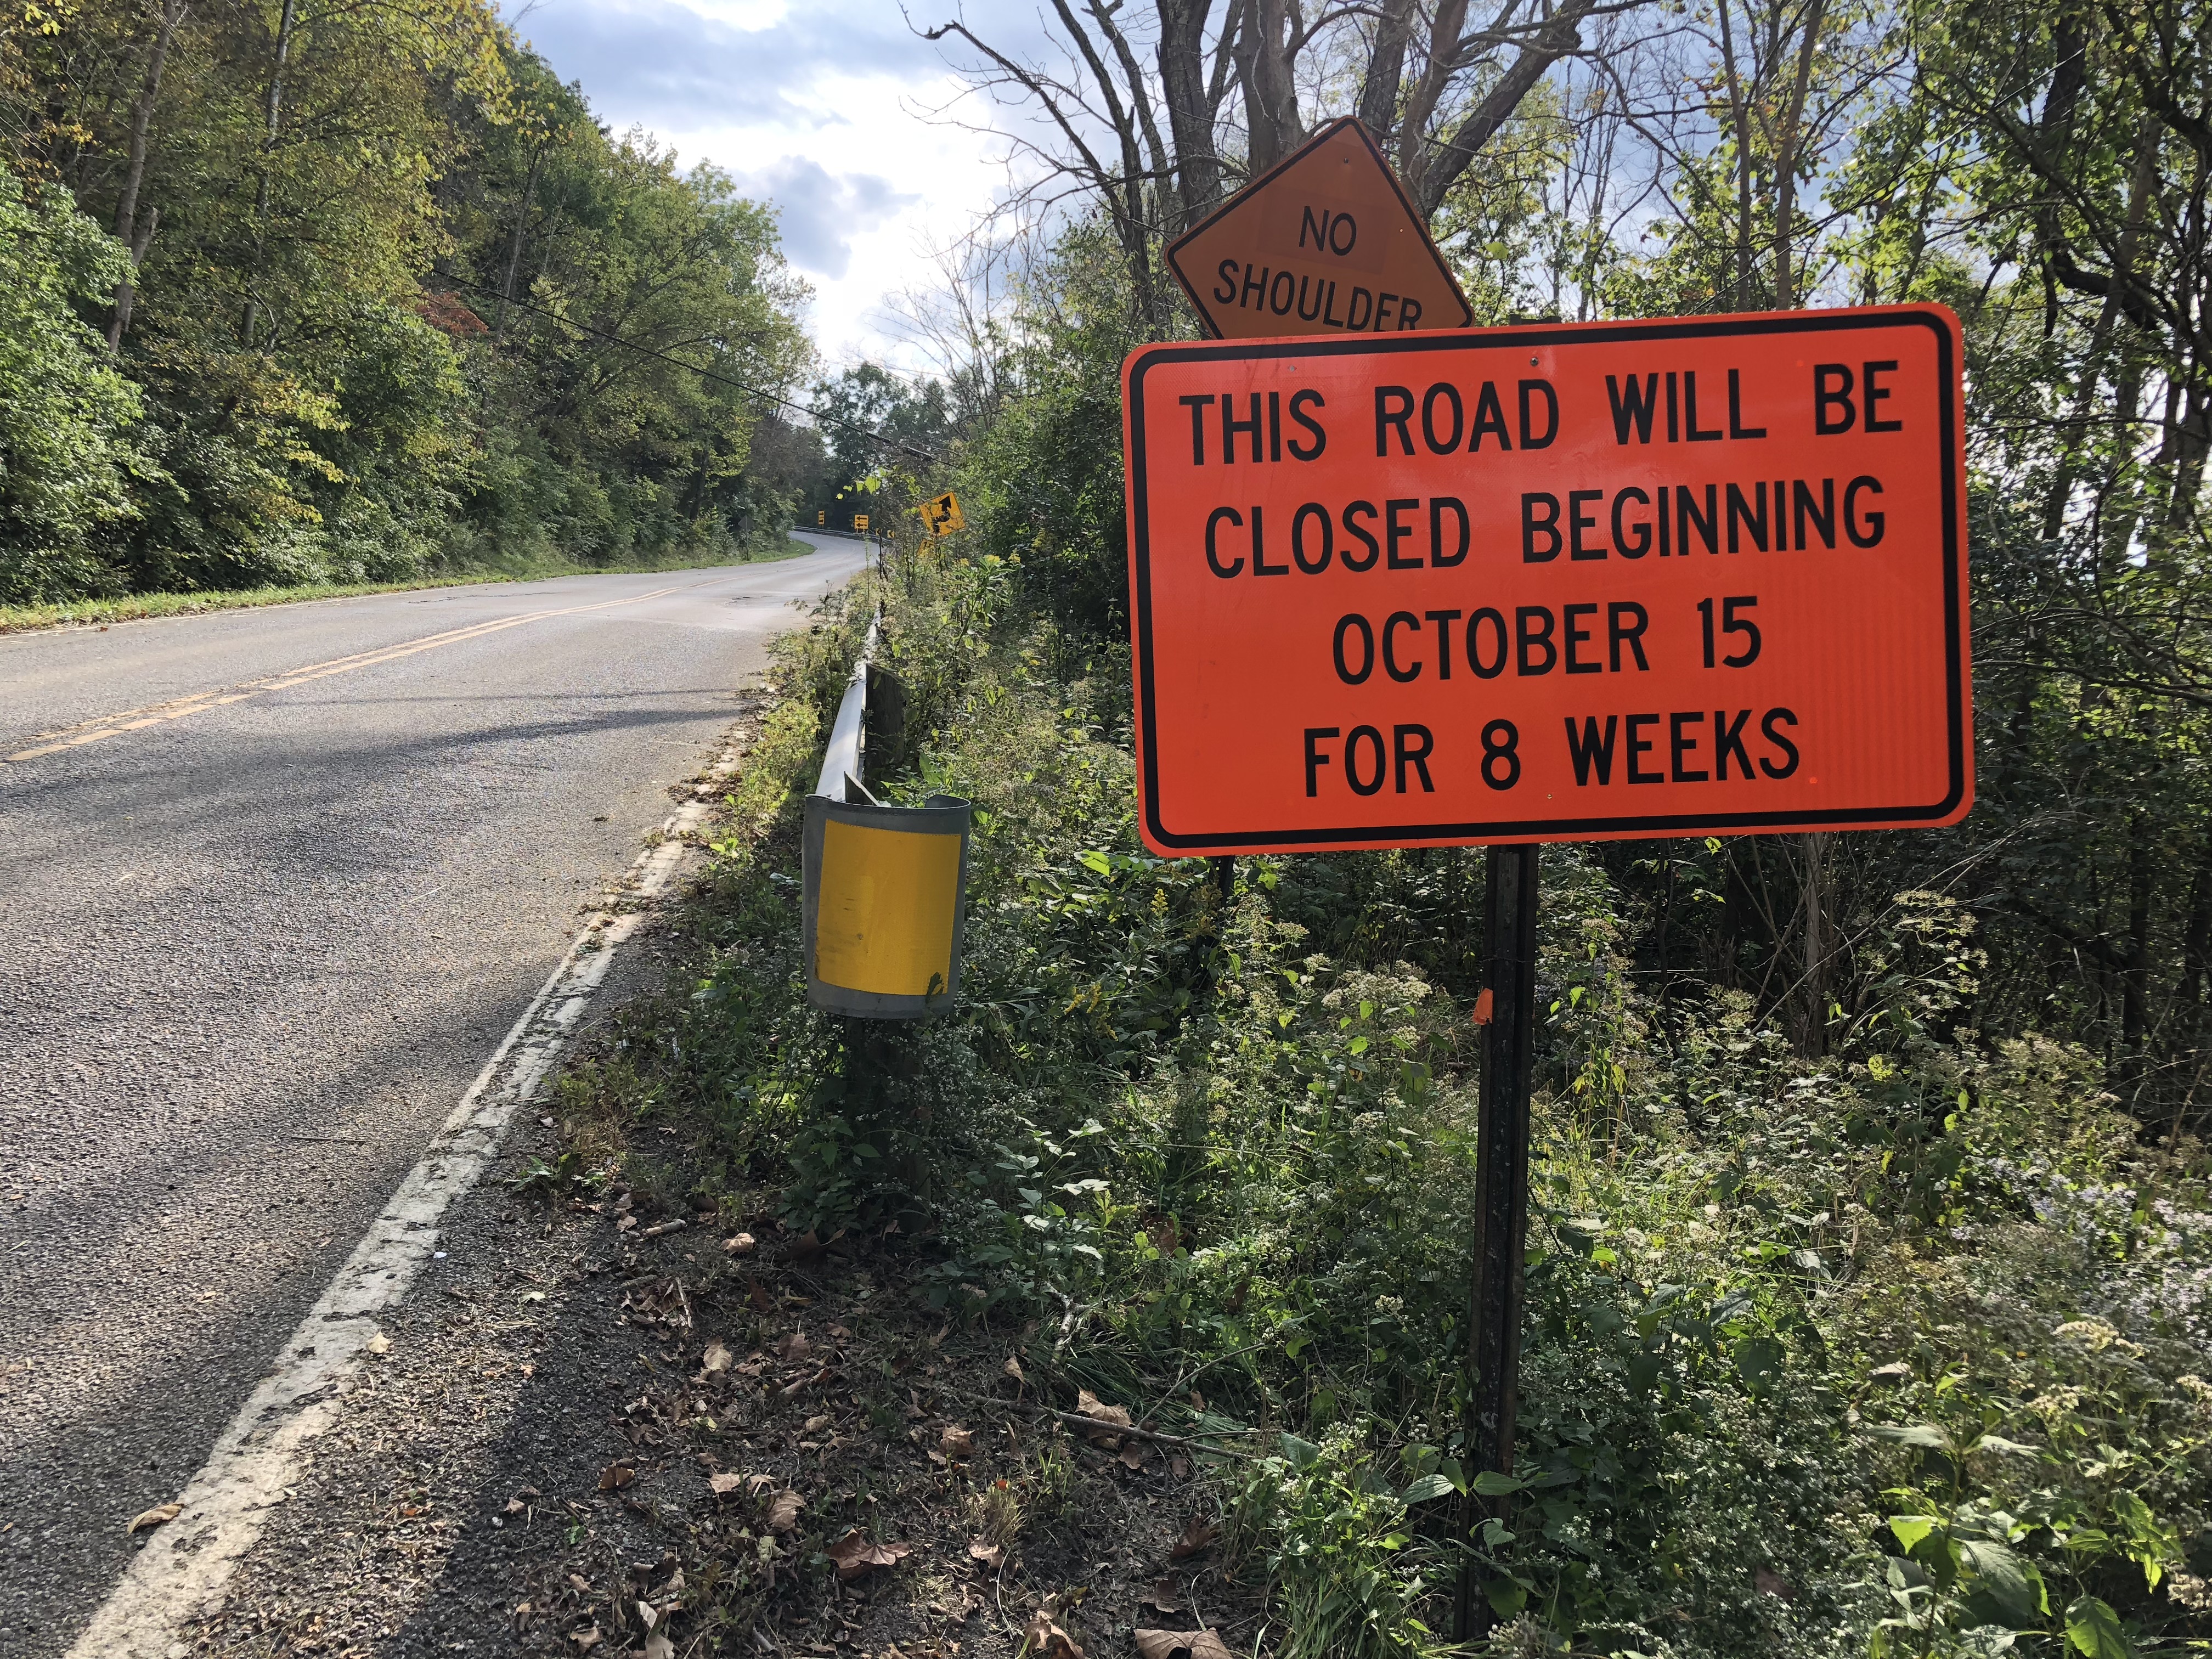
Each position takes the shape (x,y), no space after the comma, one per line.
(821,108)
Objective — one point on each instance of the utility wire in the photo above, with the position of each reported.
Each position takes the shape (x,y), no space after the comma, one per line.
(806,410)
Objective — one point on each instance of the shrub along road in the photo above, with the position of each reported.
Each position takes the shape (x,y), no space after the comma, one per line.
(278,881)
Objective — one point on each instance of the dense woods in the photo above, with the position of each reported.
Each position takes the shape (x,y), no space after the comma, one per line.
(1869,1278)
(312,291)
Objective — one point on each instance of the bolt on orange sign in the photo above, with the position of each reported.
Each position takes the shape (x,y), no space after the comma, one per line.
(1689,577)
(1324,242)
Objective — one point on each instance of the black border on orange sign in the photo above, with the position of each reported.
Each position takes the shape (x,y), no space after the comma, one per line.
(1413,216)
(1958,798)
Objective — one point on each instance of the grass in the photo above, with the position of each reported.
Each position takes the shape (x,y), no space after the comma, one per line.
(139,607)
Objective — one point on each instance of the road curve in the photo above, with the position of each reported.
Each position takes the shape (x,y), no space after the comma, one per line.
(273,883)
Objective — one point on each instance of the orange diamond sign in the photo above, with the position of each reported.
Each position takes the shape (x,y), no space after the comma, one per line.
(1324,243)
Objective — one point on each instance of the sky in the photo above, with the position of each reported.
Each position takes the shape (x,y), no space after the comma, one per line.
(836,111)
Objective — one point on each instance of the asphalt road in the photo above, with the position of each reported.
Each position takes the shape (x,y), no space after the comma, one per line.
(255,942)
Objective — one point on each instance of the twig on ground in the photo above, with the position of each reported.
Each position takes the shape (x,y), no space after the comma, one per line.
(1099,1424)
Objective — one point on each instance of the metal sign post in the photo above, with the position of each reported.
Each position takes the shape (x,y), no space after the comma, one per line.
(1501,1179)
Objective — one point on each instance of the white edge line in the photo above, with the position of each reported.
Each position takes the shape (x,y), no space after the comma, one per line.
(183,1570)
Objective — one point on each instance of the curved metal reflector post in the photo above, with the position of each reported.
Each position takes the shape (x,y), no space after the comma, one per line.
(883,885)
(883,905)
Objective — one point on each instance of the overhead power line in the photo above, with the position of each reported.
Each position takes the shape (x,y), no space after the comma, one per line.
(807,410)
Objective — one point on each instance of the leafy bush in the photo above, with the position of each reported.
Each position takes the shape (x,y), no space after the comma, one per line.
(68,454)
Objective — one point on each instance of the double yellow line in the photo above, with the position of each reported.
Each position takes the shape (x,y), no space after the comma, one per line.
(137,719)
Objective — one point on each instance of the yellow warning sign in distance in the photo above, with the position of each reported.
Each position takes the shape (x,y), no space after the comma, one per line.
(942,514)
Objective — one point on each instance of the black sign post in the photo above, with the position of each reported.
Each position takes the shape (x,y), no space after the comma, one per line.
(1501,1178)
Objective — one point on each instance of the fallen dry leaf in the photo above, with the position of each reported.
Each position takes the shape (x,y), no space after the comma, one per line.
(756,1293)
(658,1646)
(804,1247)
(515,1506)
(624,1222)
(1109,1418)
(379,1344)
(1195,1537)
(1013,1369)
(1167,1644)
(587,1638)
(155,1517)
(741,1245)
(816,1425)
(1133,1455)
(615,1476)
(957,1442)
(582,1583)
(1179,1468)
(793,1346)
(783,1510)
(724,1485)
(856,1557)
(1162,1597)
(1044,1639)
(719,1359)
(991,1555)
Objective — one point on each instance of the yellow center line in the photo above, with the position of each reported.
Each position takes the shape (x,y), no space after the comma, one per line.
(137,719)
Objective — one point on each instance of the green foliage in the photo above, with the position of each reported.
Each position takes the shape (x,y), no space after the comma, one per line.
(68,455)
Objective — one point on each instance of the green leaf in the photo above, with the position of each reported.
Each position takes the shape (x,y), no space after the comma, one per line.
(2094,1629)
(1507,1596)
(1302,1454)
(1490,1484)
(1758,1362)
(2014,1589)
(1912,1529)
(1426,1489)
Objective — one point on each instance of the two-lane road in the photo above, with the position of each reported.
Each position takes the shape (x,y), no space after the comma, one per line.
(273,883)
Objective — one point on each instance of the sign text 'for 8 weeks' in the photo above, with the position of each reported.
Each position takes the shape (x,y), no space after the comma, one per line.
(1570,582)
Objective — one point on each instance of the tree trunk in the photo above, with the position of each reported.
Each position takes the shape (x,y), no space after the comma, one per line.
(514,244)
(1264,65)
(1785,164)
(1740,120)
(2135,982)
(272,114)
(134,175)
(1386,68)
(1813,1032)
(1190,110)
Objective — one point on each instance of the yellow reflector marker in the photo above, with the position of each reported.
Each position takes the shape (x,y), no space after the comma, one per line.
(886,911)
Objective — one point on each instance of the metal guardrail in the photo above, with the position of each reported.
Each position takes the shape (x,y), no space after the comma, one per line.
(843,761)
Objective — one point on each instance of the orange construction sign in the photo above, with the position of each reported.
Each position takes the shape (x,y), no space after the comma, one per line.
(1700,576)
(1324,242)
